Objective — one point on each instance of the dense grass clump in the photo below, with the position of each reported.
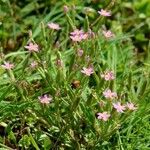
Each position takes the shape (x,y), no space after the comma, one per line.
(72,79)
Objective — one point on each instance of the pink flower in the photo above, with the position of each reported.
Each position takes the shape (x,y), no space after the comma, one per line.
(54,26)
(8,65)
(66,9)
(108,34)
(109,94)
(45,99)
(104,13)
(76,38)
(131,106)
(87,71)
(103,116)
(32,47)
(108,75)
(80,52)
(78,35)
(77,32)
(120,108)
(33,64)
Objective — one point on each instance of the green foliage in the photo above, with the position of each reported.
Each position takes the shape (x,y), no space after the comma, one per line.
(70,121)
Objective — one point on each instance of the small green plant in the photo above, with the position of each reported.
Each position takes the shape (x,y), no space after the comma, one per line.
(73,84)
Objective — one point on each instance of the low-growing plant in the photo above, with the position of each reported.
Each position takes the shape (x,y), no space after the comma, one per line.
(71,86)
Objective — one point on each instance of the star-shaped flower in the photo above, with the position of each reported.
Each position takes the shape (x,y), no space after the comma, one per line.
(87,71)
(104,13)
(103,116)
(54,26)
(8,65)
(32,47)
(45,99)
(120,108)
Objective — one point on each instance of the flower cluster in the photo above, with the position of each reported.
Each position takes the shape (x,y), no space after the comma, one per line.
(119,108)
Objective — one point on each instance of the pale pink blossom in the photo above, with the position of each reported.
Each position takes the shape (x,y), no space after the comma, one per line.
(120,108)
(77,32)
(109,94)
(108,34)
(108,75)
(45,99)
(66,9)
(32,47)
(103,116)
(76,38)
(84,36)
(54,26)
(78,35)
(80,52)
(34,64)
(104,13)
(8,65)
(87,71)
(131,106)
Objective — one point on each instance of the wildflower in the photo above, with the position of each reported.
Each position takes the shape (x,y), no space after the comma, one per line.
(59,62)
(45,99)
(103,116)
(78,35)
(66,9)
(77,32)
(87,71)
(33,64)
(109,94)
(32,47)
(104,13)
(131,106)
(8,65)
(108,75)
(108,34)
(120,108)
(54,26)
(80,52)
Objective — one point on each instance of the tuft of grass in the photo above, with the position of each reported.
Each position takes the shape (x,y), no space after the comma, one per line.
(51,95)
